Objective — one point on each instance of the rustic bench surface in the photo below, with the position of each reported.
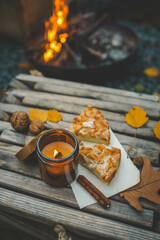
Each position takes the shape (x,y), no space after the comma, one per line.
(24,194)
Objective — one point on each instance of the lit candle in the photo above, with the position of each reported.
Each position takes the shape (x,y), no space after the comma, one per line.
(57,152)
(61,147)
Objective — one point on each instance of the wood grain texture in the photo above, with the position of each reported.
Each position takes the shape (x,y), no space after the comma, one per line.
(28,79)
(140,147)
(5,125)
(37,230)
(153,109)
(74,220)
(8,161)
(109,97)
(30,168)
(68,117)
(118,211)
(15,137)
(9,147)
(116,125)
(17,84)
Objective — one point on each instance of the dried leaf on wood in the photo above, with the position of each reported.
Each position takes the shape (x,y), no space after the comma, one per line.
(37,114)
(152,72)
(54,116)
(136,117)
(148,187)
(37,73)
(157,130)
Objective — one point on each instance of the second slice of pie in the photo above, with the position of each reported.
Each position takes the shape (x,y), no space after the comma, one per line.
(101,160)
(91,126)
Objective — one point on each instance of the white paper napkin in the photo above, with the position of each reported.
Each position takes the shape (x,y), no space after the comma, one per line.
(127,176)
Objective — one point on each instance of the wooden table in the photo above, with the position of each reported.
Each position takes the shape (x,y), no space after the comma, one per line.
(31,205)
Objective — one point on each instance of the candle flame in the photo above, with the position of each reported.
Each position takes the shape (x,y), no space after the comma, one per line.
(55,29)
(57,154)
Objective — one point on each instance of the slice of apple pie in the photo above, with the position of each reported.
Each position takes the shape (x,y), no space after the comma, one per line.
(91,126)
(101,160)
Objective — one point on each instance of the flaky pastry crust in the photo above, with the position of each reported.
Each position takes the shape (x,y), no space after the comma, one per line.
(91,126)
(101,160)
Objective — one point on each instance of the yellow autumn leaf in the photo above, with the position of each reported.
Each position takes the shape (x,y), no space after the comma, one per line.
(54,116)
(157,130)
(152,72)
(136,117)
(37,114)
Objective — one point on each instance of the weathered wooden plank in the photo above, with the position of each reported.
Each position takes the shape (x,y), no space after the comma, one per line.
(15,137)
(17,84)
(157,222)
(9,162)
(146,144)
(140,147)
(118,211)
(152,110)
(86,224)
(5,125)
(11,99)
(11,108)
(136,152)
(109,97)
(4,116)
(37,230)
(68,117)
(33,79)
(9,147)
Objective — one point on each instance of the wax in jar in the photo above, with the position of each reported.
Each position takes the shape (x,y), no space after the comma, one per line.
(63,147)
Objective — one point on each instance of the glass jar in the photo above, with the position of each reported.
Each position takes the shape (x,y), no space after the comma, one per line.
(58,172)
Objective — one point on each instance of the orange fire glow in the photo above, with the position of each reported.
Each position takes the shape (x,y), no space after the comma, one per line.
(55,30)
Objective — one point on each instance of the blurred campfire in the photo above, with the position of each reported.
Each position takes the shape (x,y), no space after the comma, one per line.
(79,41)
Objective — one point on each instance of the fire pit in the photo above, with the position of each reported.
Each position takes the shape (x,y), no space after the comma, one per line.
(81,47)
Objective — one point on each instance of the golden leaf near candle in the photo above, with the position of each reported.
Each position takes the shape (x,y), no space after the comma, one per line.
(54,116)
(37,114)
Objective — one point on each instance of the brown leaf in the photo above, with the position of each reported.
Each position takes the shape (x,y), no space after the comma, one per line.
(147,187)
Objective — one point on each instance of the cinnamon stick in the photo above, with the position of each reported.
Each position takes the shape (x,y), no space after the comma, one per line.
(101,199)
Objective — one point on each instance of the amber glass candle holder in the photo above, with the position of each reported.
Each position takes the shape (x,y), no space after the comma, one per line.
(62,171)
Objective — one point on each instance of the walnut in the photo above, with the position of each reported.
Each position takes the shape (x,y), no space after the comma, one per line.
(20,121)
(36,126)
